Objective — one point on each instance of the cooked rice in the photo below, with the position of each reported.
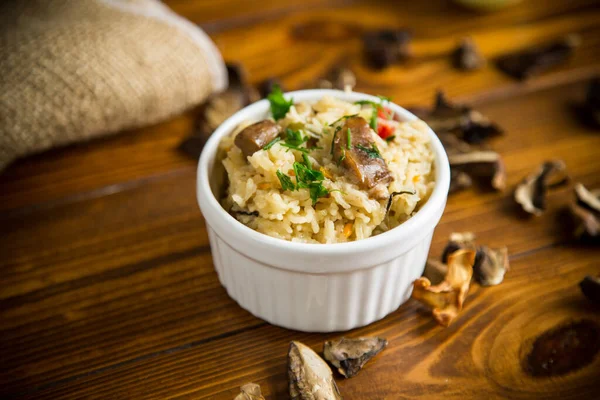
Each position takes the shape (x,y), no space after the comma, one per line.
(348,213)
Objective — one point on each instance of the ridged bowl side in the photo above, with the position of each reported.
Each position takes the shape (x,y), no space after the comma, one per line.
(318,302)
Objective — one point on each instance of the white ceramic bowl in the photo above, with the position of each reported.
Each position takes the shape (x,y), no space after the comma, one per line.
(316,287)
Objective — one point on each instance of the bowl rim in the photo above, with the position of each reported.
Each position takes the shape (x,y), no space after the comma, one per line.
(209,204)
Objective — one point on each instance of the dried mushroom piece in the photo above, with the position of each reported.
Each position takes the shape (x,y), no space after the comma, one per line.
(435,271)
(491,265)
(589,111)
(447,298)
(527,63)
(459,181)
(460,120)
(586,211)
(386,47)
(458,241)
(349,355)
(341,78)
(310,376)
(590,286)
(250,391)
(466,56)
(481,164)
(218,108)
(531,192)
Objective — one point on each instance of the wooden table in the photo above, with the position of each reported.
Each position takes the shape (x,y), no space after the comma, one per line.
(107,285)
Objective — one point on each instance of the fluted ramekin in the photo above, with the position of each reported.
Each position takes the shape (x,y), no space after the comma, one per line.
(316,287)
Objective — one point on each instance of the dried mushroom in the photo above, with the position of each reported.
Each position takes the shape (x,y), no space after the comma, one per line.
(386,47)
(586,211)
(590,286)
(459,180)
(349,355)
(458,241)
(466,56)
(341,78)
(531,192)
(462,121)
(218,108)
(526,63)
(589,111)
(250,391)
(481,164)
(435,271)
(447,298)
(491,265)
(310,376)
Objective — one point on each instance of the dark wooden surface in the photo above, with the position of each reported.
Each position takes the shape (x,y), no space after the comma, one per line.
(107,287)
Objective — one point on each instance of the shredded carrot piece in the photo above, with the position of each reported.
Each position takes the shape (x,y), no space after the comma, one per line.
(348,229)
(416,178)
(291,172)
(326,173)
(264,186)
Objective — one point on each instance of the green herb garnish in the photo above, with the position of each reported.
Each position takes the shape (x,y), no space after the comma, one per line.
(373,120)
(271,143)
(305,175)
(394,194)
(306,160)
(286,182)
(372,152)
(342,118)
(390,138)
(349,139)
(294,138)
(384,98)
(317,190)
(279,105)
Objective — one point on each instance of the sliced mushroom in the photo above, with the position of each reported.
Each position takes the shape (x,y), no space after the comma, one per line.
(310,376)
(360,157)
(481,164)
(491,266)
(458,241)
(435,271)
(531,192)
(250,391)
(349,355)
(256,136)
(447,298)
(586,211)
(466,56)
(386,47)
(467,124)
(590,286)
(526,63)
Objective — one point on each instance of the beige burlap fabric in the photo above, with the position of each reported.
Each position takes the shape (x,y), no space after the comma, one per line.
(71,70)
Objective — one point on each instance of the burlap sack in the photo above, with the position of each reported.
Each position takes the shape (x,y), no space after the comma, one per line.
(71,70)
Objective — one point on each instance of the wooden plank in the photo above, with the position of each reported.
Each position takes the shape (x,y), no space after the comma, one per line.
(125,275)
(49,179)
(480,354)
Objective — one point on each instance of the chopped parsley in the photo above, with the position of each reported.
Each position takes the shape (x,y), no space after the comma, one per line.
(342,157)
(305,175)
(376,107)
(295,138)
(372,152)
(271,143)
(286,181)
(384,98)
(349,139)
(317,190)
(373,120)
(390,138)
(394,194)
(279,105)
(306,160)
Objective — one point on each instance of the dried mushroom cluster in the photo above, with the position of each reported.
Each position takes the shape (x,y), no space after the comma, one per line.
(466,56)
(463,131)
(349,355)
(445,284)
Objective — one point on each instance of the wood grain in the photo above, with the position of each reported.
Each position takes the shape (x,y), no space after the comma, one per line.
(108,290)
